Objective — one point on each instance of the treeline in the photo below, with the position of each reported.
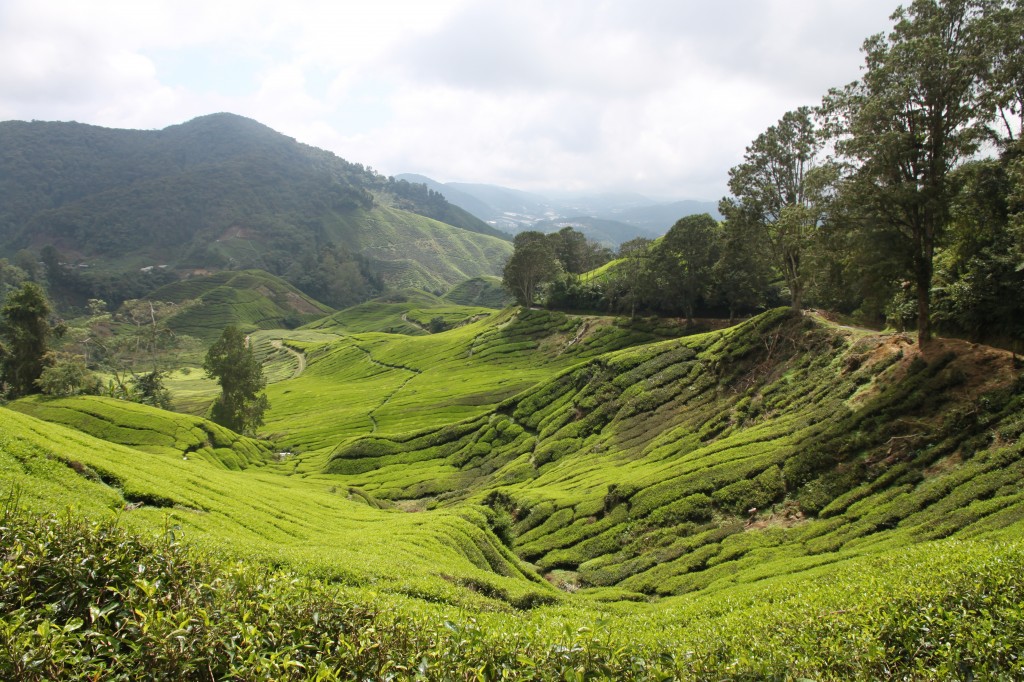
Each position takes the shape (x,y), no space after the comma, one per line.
(899,199)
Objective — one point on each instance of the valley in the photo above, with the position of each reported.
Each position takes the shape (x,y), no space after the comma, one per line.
(270,414)
(596,495)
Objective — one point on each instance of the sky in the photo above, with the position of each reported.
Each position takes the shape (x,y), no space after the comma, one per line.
(656,97)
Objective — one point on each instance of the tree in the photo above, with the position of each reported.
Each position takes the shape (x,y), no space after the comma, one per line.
(532,263)
(629,280)
(26,332)
(683,261)
(241,404)
(914,117)
(978,287)
(741,273)
(1003,70)
(148,389)
(779,191)
(65,374)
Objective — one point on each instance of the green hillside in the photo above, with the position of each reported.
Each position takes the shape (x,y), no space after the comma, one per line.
(407,311)
(249,300)
(591,501)
(225,192)
(363,383)
(695,462)
(413,251)
(483,291)
(149,429)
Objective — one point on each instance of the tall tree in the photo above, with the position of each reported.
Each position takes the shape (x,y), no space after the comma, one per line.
(532,263)
(683,260)
(628,286)
(1003,70)
(741,273)
(26,332)
(231,362)
(779,191)
(913,118)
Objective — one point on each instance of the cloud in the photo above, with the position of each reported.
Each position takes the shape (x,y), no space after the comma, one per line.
(654,96)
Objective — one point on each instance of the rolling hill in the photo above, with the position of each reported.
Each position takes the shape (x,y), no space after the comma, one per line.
(535,495)
(223,191)
(248,299)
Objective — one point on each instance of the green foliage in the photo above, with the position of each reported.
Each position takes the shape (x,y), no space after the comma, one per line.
(532,264)
(683,260)
(915,116)
(91,599)
(65,375)
(149,389)
(779,193)
(25,333)
(241,404)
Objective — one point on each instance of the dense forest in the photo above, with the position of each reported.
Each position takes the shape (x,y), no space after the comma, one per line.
(896,200)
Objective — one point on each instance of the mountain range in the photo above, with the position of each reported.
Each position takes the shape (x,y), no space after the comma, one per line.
(608,218)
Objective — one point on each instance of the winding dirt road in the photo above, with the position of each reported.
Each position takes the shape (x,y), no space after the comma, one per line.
(276,343)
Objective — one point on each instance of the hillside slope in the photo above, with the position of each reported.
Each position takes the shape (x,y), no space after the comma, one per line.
(149,429)
(124,199)
(360,381)
(253,513)
(684,464)
(783,499)
(246,299)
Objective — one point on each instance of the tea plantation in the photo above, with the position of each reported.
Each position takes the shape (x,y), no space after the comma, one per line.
(532,495)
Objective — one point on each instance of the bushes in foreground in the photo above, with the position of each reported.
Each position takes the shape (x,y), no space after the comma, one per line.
(83,600)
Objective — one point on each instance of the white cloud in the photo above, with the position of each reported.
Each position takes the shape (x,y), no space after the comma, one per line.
(656,96)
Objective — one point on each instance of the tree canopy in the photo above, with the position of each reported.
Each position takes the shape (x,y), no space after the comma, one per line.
(231,362)
(26,331)
(532,263)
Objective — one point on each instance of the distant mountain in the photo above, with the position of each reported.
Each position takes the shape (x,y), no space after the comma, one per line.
(508,201)
(610,232)
(611,218)
(660,217)
(464,200)
(226,192)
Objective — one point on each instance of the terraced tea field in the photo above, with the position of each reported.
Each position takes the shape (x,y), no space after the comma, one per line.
(532,495)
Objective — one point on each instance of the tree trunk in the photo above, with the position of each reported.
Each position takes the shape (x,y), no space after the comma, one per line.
(923,271)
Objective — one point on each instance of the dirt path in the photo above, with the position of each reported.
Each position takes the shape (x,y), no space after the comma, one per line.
(413,373)
(405,318)
(301,357)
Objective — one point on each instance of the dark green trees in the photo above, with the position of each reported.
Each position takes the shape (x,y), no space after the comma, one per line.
(25,334)
(532,263)
(241,404)
(778,194)
(683,261)
(913,118)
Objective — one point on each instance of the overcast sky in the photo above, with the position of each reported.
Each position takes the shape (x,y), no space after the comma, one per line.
(658,97)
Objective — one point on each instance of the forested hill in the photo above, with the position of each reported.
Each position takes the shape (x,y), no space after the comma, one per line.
(218,191)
